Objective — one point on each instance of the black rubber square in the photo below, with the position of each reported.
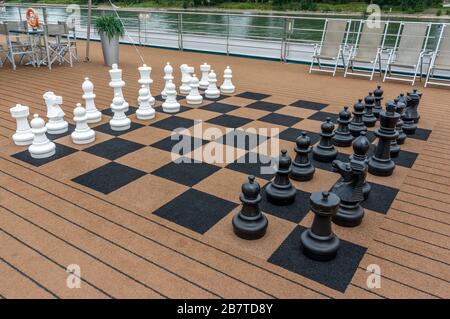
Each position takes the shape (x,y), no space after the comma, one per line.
(196,210)
(106,128)
(131,110)
(336,274)
(182,109)
(113,149)
(186,172)
(219,107)
(291,135)
(109,177)
(421,134)
(280,119)
(322,116)
(253,96)
(254,164)
(327,166)
(380,198)
(179,144)
(294,212)
(54,137)
(174,122)
(60,152)
(405,158)
(309,105)
(160,99)
(230,121)
(242,140)
(265,106)
(221,97)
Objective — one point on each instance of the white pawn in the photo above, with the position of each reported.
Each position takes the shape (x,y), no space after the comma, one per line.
(168,77)
(145,72)
(212,92)
(194,96)
(117,83)
(171,105)
(92,113)
(23,135)
(204,68)
(119,122)
(55,114)
(42,147)
(185,87)
(145,111)
(82,133)
(227,87)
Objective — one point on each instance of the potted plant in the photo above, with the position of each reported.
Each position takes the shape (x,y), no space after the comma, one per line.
(110,29)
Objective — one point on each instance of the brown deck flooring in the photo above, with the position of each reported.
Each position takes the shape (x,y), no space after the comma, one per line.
(47,224)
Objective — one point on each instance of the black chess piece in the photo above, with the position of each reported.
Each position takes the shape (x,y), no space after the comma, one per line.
(357,125)
(378,94)
(412,104)
(319,242)
(250,223)
(350,191)
(400,108)
(342,136)
(361,146)
(325,151)
(402,98)
(281,191)
(395,147)
(368,118)
(302,169)
(380,163)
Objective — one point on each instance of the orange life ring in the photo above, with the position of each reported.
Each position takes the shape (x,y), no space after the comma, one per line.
(32,18)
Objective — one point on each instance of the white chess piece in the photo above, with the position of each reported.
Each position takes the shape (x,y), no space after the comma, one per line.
(168,77)
(117,83)
(204,68)
(92,113)
(227,87)
(55,114)
(42,147)
(186,70)
(23,135)
(145,79)
(171,105)
(194,96)
(212,92)
(145,111)
(120,121)
(82,133)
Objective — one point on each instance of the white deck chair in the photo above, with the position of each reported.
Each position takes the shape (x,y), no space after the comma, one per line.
(332,46)
(367,49)
(440,59)
(408,52)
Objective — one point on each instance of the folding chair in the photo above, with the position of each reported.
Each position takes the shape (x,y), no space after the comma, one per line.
(408,52)
(332,46)
(71,32)
(367,49)
(440,60)
(22,48)
(60,47)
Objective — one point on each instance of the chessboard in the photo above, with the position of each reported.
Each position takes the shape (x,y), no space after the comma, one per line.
(135,169)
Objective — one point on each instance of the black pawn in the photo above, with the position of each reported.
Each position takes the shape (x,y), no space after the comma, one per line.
(400,108)
(368,118)
(342,136)
(250,223)
(378,94)
(361,146)
(302,169)
(380,163)
(280,191)
(325,150)
(357,125)
(319,242)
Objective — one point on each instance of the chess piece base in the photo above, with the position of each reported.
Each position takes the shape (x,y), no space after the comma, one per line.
(366,190)
(280,196)
(185,89)
(380,167)
(401,138)
(319,248)
(171,108)
(356,130)
(409,129)
(349,215)
(94,117)
(57,129)
(227,89)
(326,155)
(120,125)
(395,150)
(194,100)
(23,138)
(83,137)
(370,122)
(39,151)
(342,140)
(250,228)
(302,172)
(145,114)
(212,94)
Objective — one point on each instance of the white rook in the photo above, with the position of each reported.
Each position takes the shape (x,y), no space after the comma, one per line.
(23,135)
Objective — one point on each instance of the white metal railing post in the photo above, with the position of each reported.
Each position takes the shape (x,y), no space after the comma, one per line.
(180,31)
(228,34)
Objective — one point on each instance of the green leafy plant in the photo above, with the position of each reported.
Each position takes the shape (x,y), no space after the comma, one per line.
(110,25)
